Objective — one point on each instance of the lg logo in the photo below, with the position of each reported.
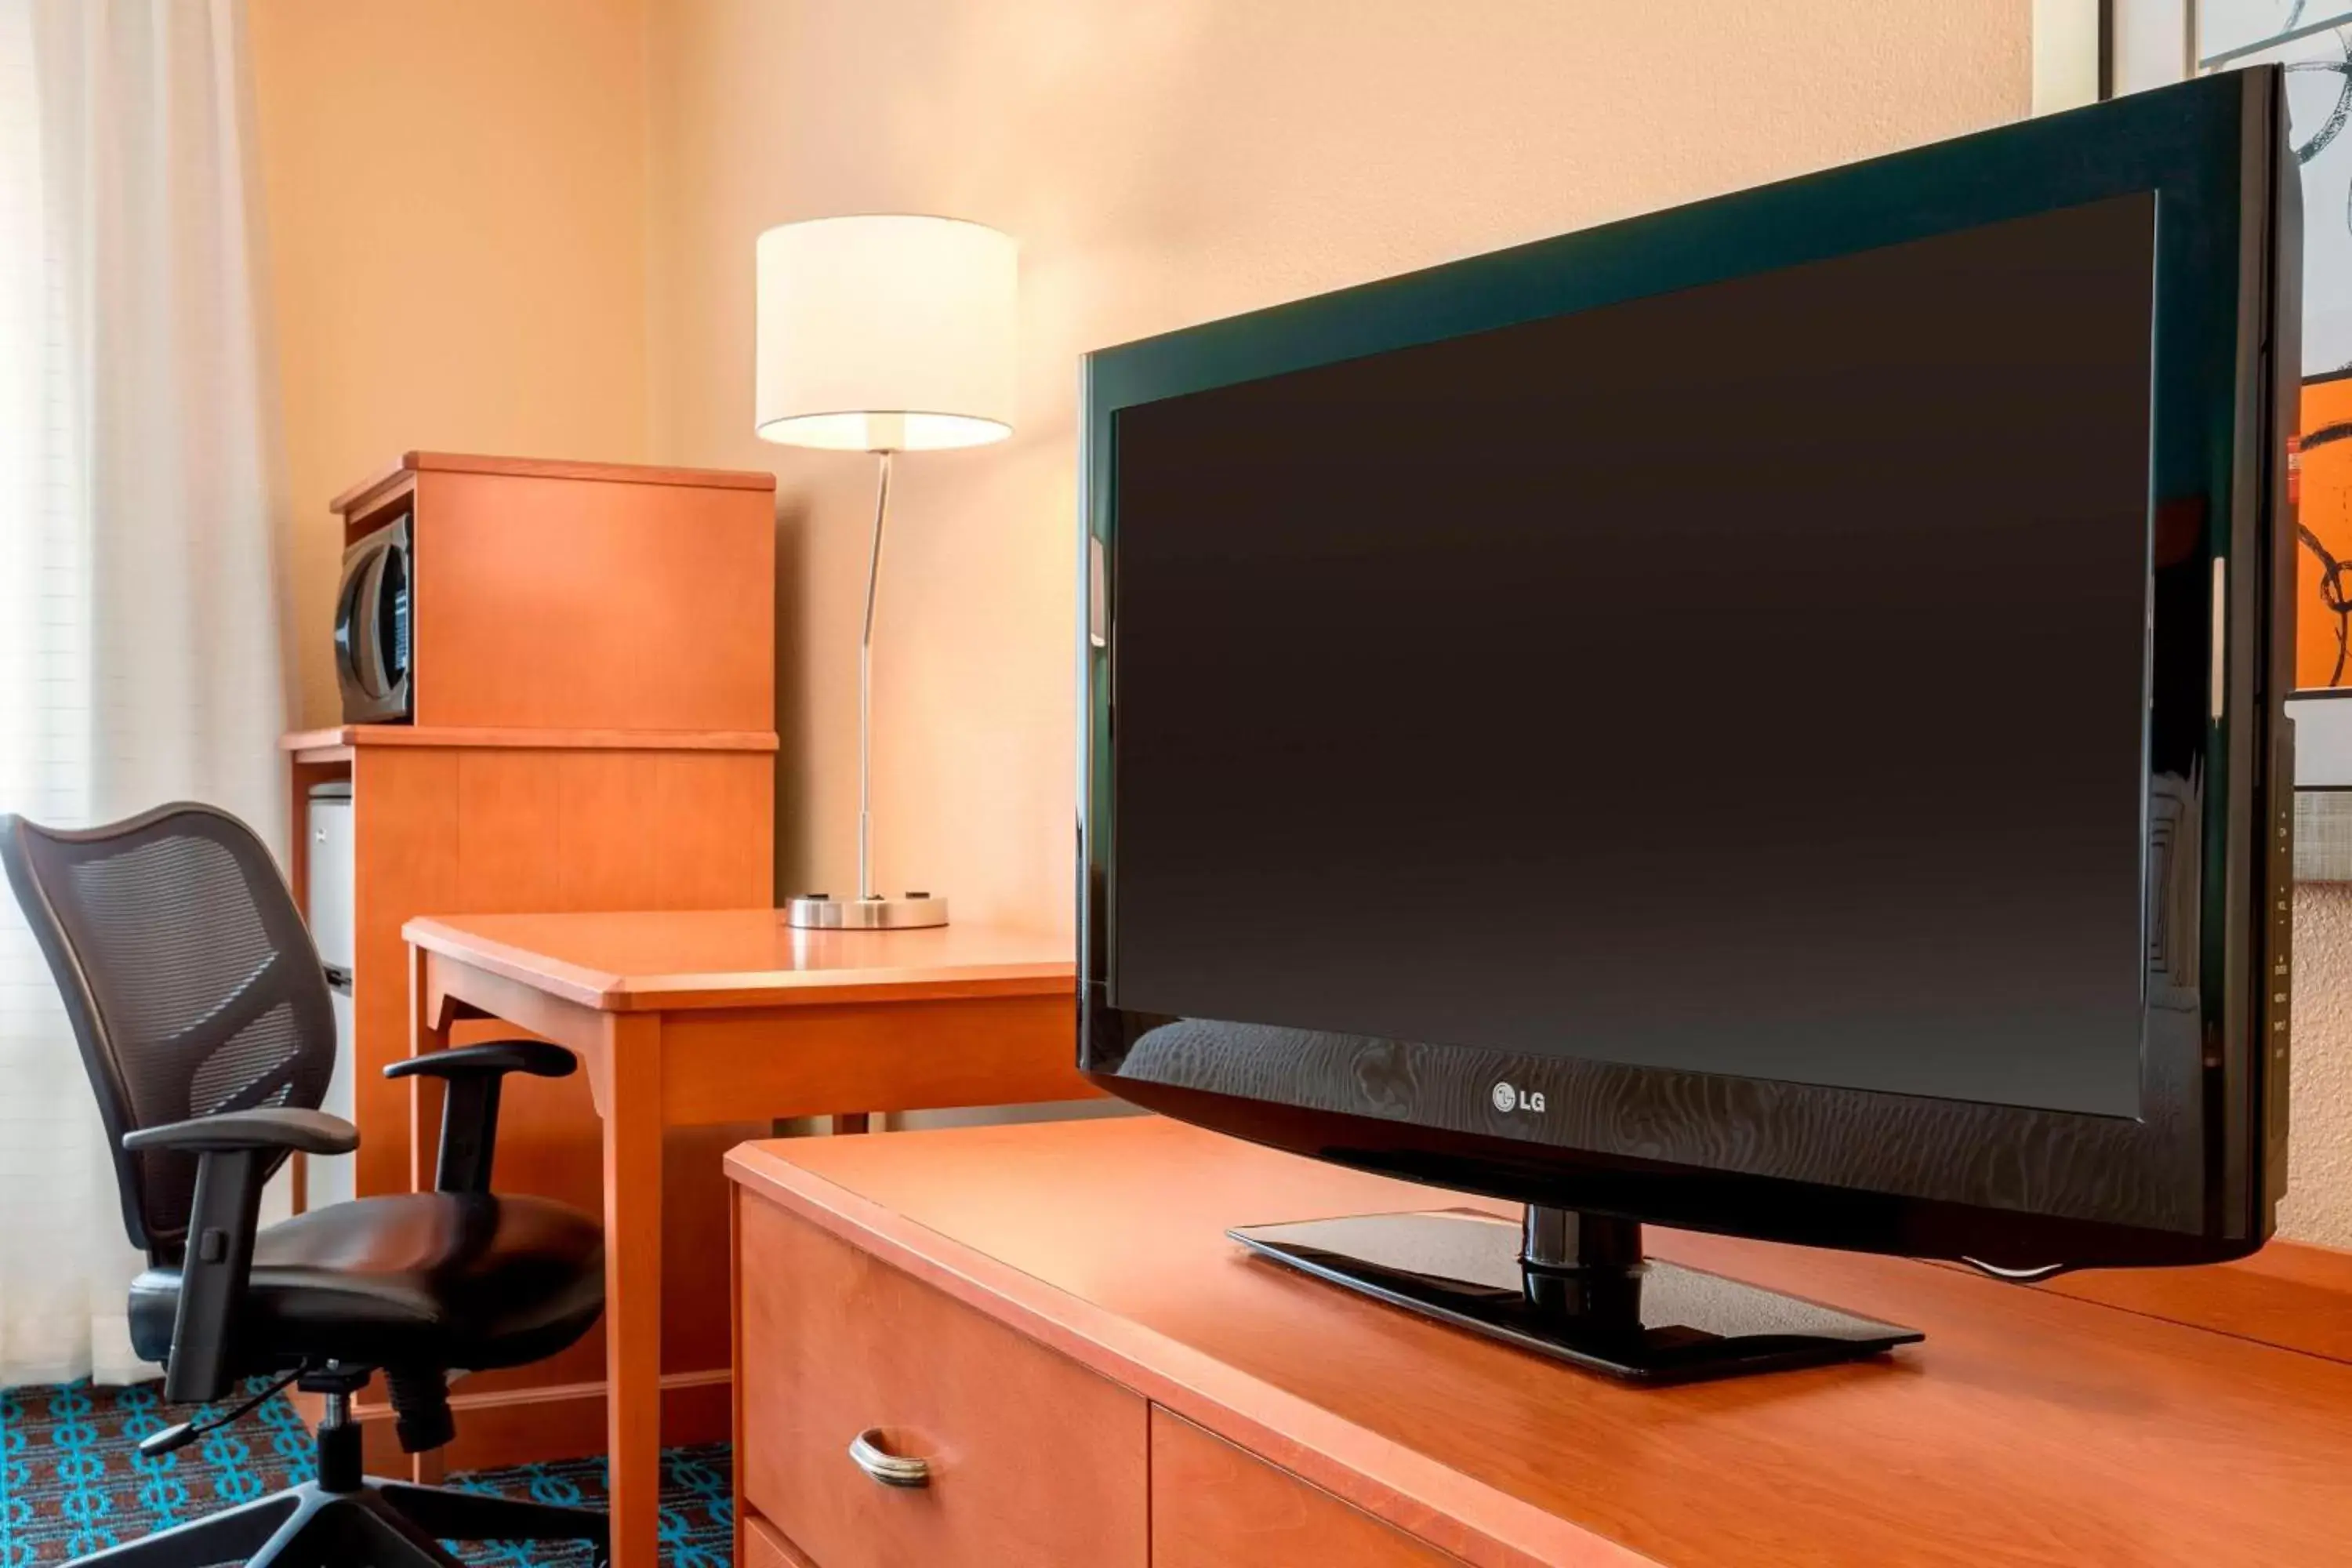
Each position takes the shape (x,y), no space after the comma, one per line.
(1509,1099)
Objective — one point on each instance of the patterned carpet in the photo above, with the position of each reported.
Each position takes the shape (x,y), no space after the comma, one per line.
(72,1481)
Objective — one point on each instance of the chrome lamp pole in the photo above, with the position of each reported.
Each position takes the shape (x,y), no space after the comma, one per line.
(866,690)
(869,910)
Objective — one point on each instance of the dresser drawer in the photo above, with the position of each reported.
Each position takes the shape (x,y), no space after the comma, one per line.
(763,1547)
(1217,1505)
(1031,1459)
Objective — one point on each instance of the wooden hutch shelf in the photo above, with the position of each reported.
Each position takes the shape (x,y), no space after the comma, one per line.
(593,669)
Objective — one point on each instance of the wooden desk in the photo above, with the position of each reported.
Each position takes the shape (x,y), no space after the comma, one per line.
(723,1015)
(1052,1316)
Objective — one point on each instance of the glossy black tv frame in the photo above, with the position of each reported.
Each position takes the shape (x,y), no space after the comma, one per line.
(2196,1176)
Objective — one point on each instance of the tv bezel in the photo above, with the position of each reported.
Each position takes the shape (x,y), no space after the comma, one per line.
(2196,1176)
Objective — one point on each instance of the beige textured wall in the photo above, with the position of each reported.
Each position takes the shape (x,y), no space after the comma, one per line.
(454,196)
(1163,161)
(2318,1204)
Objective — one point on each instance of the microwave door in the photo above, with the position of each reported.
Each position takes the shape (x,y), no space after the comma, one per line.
(349,621)
(352,632)
(367,651)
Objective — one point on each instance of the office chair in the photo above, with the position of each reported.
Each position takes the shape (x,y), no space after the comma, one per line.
(203,1021)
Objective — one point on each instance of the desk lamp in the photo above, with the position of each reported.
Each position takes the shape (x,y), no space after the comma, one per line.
(882,335)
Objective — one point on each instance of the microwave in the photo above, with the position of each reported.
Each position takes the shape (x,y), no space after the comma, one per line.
(374,653)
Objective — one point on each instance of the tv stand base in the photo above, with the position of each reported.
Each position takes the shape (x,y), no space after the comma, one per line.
(1574,1287)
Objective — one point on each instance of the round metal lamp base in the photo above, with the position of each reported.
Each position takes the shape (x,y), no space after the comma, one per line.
(910,912)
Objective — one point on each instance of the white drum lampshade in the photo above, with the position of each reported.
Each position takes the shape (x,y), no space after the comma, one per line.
(886,334)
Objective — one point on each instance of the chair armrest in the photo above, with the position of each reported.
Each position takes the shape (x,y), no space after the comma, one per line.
(279,1129)
(469,1107)
(236,1150)
(491,1058)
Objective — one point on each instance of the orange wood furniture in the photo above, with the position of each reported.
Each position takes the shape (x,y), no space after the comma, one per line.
(1217,1506)
(685,1020)
(584,596)
(594,691)
(1209,1408)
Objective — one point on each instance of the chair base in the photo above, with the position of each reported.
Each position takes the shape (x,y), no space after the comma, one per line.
(385,1524)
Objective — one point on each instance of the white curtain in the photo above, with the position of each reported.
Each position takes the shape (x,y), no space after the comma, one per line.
(139,632)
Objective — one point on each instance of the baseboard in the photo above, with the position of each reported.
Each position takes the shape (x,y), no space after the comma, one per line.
(534,1425)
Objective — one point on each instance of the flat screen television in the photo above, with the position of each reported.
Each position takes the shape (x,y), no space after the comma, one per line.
(1762,718)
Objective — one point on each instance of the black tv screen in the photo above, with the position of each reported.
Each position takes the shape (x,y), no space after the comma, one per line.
(1746,680)
(1765,716)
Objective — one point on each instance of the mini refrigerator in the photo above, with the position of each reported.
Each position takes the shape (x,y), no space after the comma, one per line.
(328,899)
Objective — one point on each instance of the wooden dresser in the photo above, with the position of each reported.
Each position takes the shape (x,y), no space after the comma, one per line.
(1051,1318)
(595,729)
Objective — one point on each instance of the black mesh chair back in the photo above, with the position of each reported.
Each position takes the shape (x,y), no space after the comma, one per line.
(189,979)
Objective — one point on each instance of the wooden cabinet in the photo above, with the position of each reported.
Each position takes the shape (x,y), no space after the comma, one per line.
(593,673)
(554,595)
(1009,1298)
(1030,1458)
(1217,1506)
(765,1547)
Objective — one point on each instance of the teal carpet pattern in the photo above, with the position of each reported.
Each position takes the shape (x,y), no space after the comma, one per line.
(72,1480)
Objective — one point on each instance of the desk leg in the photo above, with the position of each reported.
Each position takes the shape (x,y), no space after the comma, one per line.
(429,1031)
(429,1028)
(633,1280)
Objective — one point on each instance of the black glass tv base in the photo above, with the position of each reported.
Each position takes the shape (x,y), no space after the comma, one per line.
(1574,1287)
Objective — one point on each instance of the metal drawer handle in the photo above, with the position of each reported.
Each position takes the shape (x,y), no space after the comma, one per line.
(865,1451)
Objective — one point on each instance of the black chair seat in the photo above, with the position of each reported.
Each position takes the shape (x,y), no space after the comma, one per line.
(426,1280)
